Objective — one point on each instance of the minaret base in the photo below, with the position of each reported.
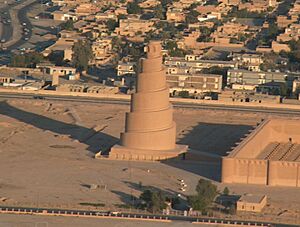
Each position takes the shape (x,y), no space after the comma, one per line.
(118,152)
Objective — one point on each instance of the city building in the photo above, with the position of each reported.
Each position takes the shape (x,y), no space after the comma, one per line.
(194,83)
(126,68)
(249,61)
(174,63)
(244,79)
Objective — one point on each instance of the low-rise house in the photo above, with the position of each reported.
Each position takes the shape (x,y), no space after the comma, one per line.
(209,16)
(175,15)
(60,70)
(69,2)
(102,89)
(258,5)
(71,87)
(86,9)
(121,11)
(149,4)
(22,82)
(91,88)
(133,27)
(230,2)
(221,8)
(108,15)
(229,30)
(251,96)
(126,68)
(64,16)
(284,21)
(290,33)
(277,47)
(102,51)
(66,40)
(251,203)
(184,4)
(95,29)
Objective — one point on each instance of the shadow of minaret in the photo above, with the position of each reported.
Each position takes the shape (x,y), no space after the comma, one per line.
(96,140)
(208,143)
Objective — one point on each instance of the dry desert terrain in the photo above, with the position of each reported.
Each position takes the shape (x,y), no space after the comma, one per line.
(47,148)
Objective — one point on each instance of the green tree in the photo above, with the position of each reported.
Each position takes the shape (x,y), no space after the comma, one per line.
(206,193)
(111,24)
(122,16)
(17,60)
(116,43)
(82,54)
(192,17)
(205,34)
(165,3)
(134,8)
(184,94)
(226,191)
(26,60)
(159,12)
(174,50)
(171,45)
(154,201)
(68,25)
(272,31)
(198,203)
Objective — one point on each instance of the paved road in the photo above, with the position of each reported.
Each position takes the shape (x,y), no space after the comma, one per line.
(22,17)
(284,112)
(133,216)
(7,29)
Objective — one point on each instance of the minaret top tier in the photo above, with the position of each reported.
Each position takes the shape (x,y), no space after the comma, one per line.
(152,74)
(154,49)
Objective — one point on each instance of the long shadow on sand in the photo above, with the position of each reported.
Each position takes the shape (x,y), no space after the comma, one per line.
(96,140)
(215,140)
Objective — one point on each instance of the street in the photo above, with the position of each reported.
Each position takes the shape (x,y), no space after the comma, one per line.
(277,111)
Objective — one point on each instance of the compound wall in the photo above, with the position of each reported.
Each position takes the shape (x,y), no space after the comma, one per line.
(263,172)
(241,165)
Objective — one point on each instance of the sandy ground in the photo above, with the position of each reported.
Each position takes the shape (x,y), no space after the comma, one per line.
(46,150)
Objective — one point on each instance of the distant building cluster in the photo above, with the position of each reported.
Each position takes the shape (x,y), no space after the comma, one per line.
(231,50)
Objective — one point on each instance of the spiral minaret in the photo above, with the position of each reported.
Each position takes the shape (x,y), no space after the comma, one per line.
(150,132)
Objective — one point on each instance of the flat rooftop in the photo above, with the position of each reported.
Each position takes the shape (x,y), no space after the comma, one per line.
(251,198)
